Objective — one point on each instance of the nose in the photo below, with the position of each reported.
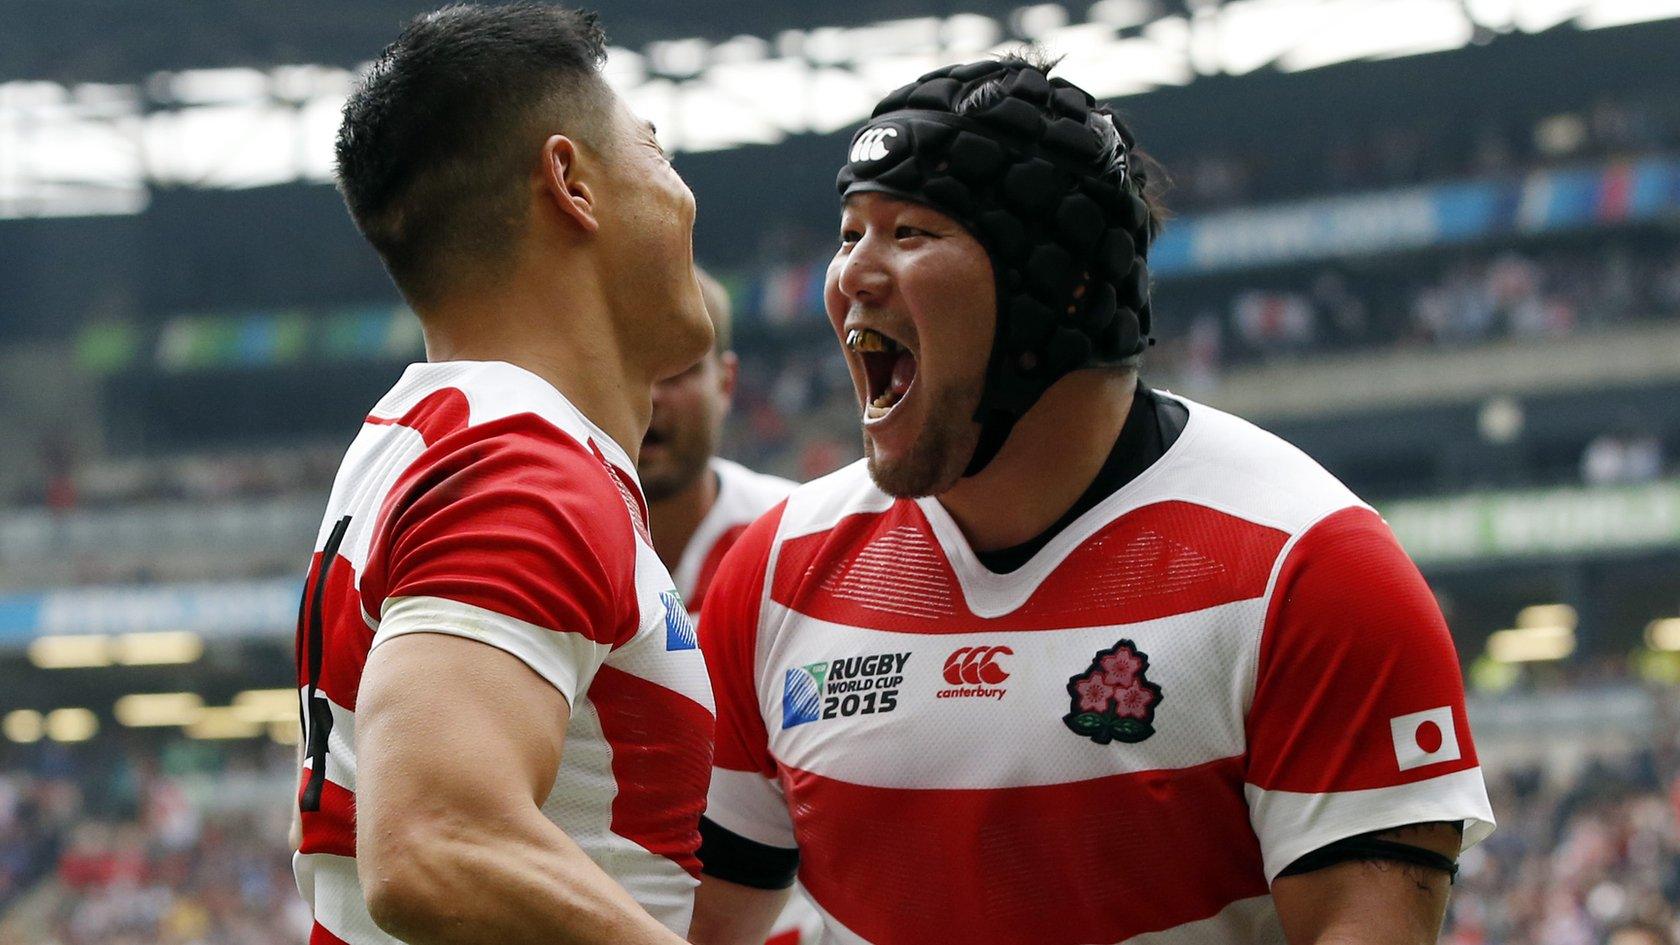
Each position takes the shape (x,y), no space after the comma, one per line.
(863,273)
(661,391)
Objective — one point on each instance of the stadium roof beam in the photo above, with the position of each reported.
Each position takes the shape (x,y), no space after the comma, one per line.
(100,148)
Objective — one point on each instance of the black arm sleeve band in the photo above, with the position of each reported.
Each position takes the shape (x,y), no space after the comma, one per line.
(732,857)
(1369,847)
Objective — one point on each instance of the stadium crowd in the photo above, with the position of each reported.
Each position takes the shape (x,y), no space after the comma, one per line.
(103,847)
(1355,157)
(794,413)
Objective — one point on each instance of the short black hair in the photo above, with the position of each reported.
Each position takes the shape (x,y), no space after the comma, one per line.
(439,136)
(1120,154)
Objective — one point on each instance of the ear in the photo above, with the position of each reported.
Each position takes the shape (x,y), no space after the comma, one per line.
(729,368)
(563,183)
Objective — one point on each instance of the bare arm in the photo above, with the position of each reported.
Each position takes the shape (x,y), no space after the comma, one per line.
(727,913)
(1370,902)
(452,846)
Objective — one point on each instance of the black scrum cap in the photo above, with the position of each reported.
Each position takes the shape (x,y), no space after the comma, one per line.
(1064,223)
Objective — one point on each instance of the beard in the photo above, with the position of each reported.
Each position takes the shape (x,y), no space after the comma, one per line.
(940,454)
(686,460)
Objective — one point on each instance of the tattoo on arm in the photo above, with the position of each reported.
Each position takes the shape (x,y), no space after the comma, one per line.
(1422,877)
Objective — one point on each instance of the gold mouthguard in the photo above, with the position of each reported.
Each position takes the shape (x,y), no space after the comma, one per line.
(868,339)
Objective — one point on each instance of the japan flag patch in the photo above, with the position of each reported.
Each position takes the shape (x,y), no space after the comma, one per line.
(1424,738)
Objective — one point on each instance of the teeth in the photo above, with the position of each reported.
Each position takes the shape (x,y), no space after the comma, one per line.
(868,339)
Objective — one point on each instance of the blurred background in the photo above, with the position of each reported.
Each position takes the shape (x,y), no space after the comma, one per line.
(1435,243)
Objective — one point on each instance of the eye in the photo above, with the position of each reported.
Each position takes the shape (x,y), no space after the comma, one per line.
(909,232)
(850,236)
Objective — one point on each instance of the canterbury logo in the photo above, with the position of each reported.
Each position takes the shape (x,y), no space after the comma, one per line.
(976,666)
(872,144)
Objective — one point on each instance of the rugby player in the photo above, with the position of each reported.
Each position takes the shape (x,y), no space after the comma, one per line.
(1065,659)
(699,503)
(508,723)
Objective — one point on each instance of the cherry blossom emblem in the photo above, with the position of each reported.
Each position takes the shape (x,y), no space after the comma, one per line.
(1111,699)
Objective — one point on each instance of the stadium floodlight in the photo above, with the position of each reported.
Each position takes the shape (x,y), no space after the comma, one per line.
(223,722)
(93,148)
(1663,634)
(152,709)
(1546,616)
(158,649)
(23,726)
(71,725)
(1607,13)
(266,706)
(70,651)
(1531,644)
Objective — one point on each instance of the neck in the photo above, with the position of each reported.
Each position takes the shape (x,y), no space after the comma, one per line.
(567,338)
(1050,459)
(674,518)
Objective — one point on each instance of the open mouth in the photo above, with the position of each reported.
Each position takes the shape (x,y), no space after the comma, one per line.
(654,437)
(889,369)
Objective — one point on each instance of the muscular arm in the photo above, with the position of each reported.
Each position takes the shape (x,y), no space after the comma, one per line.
(452,846)
(727,913)
(1370,902)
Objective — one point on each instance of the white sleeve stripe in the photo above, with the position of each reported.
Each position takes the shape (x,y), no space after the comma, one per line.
(750,805)
(1291,824)
(567,660)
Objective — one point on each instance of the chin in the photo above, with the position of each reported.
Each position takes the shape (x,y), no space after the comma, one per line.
(913,475)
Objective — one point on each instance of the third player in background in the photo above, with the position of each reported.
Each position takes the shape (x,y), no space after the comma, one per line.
(700,503)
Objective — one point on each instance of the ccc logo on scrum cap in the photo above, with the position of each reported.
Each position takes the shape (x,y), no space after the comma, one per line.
(976,666)
(873,144)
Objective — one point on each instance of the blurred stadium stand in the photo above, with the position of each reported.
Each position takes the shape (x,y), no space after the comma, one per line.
(1440,251)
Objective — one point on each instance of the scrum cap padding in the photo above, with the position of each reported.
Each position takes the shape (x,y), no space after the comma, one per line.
(1066,229)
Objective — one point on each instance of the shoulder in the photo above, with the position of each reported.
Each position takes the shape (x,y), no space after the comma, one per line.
(1226,463)
(501,452)
(821,504)
(747,491)
(490,426)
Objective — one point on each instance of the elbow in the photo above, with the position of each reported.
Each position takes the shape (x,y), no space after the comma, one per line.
(406,885)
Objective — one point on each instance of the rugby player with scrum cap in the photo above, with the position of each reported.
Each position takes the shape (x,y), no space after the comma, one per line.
(1065,660)
(699,503)
(509,726)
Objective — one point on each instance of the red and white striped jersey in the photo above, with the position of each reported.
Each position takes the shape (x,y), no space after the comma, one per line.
(743,495)
(1226,664)
(478,502)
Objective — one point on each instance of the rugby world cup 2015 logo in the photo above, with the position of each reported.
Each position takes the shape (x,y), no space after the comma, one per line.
(842,688)
(679,627)
(802,689)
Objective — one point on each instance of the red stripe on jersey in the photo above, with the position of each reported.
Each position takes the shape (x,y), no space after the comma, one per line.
(345,638)
(1055,864)
(662,744)
(709,565)
(886,571)
(516,517)
(437,415)
(320,936)
(790,937)
(728,631)
(629,491)
(332,829)
(1349,607)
